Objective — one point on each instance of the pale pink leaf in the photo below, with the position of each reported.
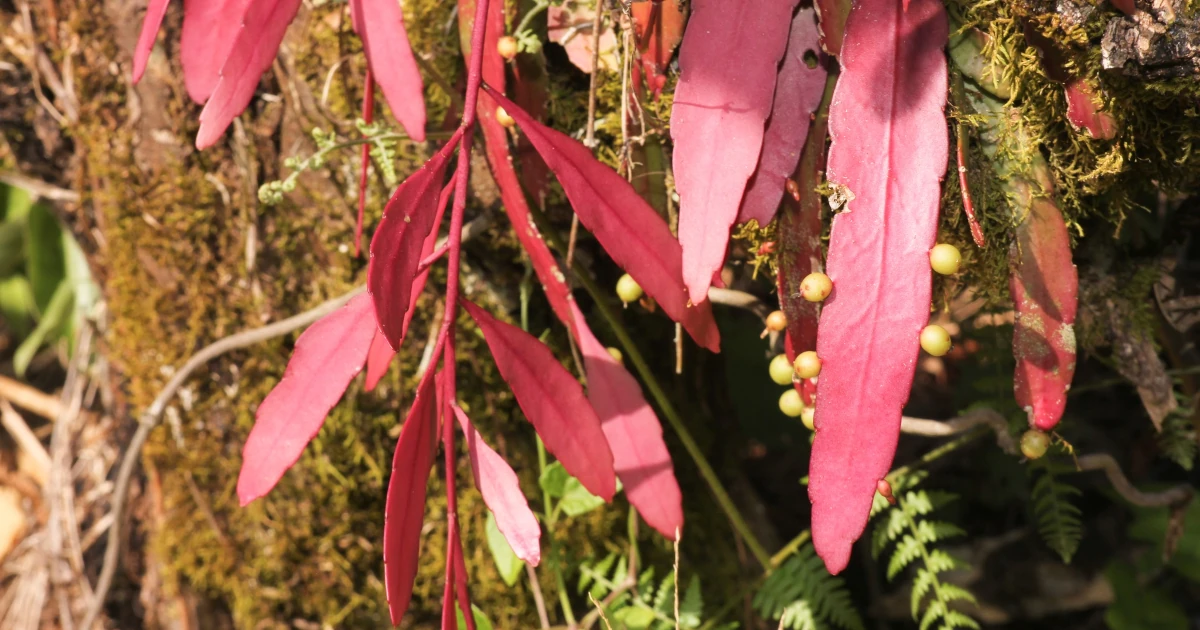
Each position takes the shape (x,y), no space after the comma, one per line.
(552,400)
(326,358)
(210,28)
(155,10)
(404,511)
(627,227)
(396,248)
(798,90)
(380,25)
(501,491)
(889,154)
(634,435)
(570,26)
(728,63)
(253,51)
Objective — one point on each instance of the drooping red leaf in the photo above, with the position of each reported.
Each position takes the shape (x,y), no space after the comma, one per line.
(659,28)
(798,90)
(799,238)
(405,508)
(461,590)
(831,20)
(263,27)
(449,619)
(502,494)
(1044,285)
(627,227)
(396,248)
(155,10)
(368,114)
(721,106)
(634,434)
(379,357)
(552,400)
(888,154)
(1083,108)
(326,358)
(210,28)
(530,90)
(380,25)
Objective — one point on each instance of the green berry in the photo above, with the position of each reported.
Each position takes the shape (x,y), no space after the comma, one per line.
(790,403)
(781,370)
(776,321)
(808,418)
(945,258)
(815,287)
(807,365)
(616,354)
(935,340)
(504,118)
(628,289)
(1034,444)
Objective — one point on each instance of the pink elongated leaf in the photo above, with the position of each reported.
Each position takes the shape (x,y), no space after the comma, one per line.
(396,248)
(552,400)
(404,511)
(210,28)
(798,90)
(1044,285)
(889,154)
(326,358)
(155,10)
(570,26)
(831,20)
(631,232)
(379,357)
(380,25)
(1083,104)
(502,494)
(721,105)
(531,91)
(262,30)
(634,434)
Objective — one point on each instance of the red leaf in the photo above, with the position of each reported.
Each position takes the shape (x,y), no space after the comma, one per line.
(721,105)
(626,226)
(209,29)
(380,25)
(155,10)
(634,434)
(799,240)
(798,90)
(263,27)
(379,357)
(405,508)
(326,358)
(889,151)
(552,400)
(831,18)
(1083,108)
(396,248)
(501,492)
(530,85)
(1044,285)
(659,25)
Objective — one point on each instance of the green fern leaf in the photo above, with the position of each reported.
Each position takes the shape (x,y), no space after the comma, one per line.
(1058,520)
(907,550)
(801,592)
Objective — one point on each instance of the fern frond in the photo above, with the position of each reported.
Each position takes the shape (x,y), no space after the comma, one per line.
(1058,520)
(907,550)
(1178,438)
(803,595)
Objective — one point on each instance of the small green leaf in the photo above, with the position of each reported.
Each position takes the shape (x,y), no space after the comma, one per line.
(554,480)
(507,562)
(12,246)
(577,500)
(481,620)
(1140,607)
(634,618)
(16,304)
(44,258)
(53,319)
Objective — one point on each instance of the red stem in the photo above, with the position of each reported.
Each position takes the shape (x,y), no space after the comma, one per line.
(368,114)
(433,257)
(968,206)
